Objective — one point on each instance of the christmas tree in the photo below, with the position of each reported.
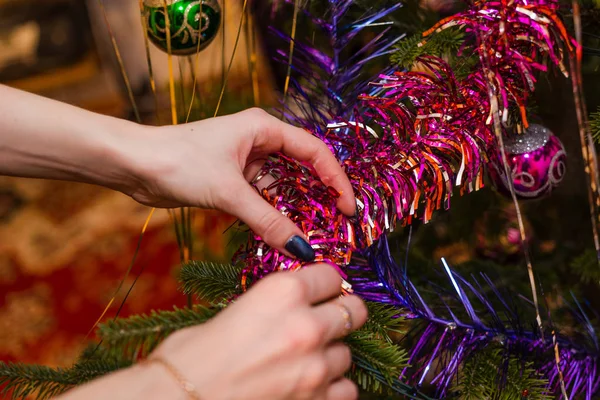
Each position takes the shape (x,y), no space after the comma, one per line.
(477,258)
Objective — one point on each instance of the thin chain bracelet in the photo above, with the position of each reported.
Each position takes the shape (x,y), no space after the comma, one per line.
(186,385)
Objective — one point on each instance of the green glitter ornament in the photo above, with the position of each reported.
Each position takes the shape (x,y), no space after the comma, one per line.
(190,21)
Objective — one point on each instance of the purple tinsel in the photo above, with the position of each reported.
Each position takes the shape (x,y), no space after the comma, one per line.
(406,143)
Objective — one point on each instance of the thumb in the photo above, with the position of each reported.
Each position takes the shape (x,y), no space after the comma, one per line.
(267,222)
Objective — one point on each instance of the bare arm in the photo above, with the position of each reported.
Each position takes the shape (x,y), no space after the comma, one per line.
(146,382)
(204,164)
(42,138)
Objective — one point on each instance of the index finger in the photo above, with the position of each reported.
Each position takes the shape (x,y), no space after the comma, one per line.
(274,136)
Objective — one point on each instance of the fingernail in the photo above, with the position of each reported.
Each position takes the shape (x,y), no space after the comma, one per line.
(300,248)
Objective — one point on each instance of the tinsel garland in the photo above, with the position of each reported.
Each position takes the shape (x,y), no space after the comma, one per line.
(406,142)
(406,148)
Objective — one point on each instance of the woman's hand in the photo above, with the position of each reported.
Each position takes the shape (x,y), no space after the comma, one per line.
(208,164)
(279,341)
(204,164)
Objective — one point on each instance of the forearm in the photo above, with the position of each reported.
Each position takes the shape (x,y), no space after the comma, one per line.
(43,138)
(147,382)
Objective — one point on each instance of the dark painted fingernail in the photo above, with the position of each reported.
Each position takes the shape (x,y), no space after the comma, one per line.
(300,248)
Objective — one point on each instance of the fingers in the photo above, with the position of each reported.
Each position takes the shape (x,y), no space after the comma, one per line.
(252,169)
(339,360)
(322,282)
(252,174)
(344,389)
(316,283)
(341,317)
(268,223)
(274,136)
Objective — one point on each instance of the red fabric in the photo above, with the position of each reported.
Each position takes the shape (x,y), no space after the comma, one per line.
(64,248)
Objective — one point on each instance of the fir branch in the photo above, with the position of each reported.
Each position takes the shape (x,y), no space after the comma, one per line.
(377,360)
(407,51)
(383,320)
(481,378)
(211,282)
(375,356)
(442,44)
(21,381)
(586,266)
(140,334)
(595,125)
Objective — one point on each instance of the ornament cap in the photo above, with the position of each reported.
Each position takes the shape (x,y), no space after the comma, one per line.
(533,138)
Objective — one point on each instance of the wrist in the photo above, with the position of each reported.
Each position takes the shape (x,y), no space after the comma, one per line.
(156,383)
(121,156)
(140,159)
(141,381)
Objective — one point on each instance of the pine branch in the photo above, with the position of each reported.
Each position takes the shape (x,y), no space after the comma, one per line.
(21,381)
(444,43)
(383,320)
(407,51)
(375,357)
(211,282)
(595,125)
(586,266)
(482,378)
(139,335)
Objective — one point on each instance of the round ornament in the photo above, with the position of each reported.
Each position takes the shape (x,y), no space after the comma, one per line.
(498,235)
(536,160)
(192,22)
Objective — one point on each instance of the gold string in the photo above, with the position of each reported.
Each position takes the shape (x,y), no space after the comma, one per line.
(588,149)
(193,68)
(235,46)
(252,57)
(589,156)
(185,249)
(131,264)
(149,62)
(120,61)
(223,45)
(196,89)
(181,68)
(290,55)
(170,61)
(509,174)
(561,378)
(495,110)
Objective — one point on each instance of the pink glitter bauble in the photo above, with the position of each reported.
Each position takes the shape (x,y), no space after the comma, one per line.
(536,161)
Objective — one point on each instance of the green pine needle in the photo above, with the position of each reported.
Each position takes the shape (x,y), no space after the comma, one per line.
(21,381)
(479,378)
(377,354)
(444,43)
(595,125)
(586,266)
(383,320)
(407,51)
(140,334)
(378,360)
(211,282)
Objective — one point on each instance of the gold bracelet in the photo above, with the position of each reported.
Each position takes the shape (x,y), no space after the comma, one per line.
(186,385)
